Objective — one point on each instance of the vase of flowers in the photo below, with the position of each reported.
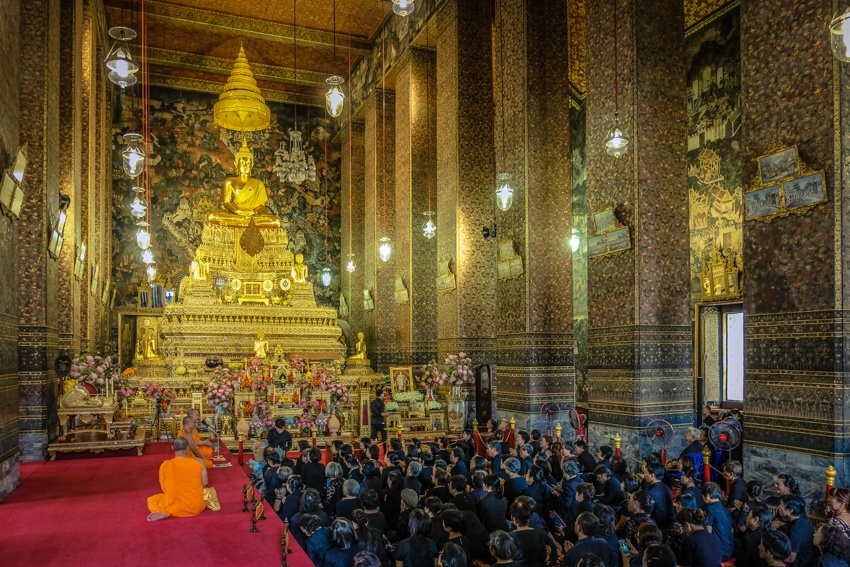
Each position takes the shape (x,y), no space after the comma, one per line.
(220,389)
(94,370)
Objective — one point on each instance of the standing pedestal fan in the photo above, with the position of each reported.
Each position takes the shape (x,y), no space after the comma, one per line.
(577,423)
(550,411)
(660,432)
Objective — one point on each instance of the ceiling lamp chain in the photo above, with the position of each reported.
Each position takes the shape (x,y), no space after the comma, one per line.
(334,98)
(617,142)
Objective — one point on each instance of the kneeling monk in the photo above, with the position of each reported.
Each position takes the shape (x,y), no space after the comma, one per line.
(182,479)
(188,432)
(203,448)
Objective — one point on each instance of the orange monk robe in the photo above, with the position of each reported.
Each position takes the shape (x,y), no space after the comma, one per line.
(183,491)
(206,452)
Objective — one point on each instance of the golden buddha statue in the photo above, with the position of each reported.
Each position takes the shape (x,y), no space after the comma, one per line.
(299,270)
(244,197)
(151,351)
(360,348)
(261,346)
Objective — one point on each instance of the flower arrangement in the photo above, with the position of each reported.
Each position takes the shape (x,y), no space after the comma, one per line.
(298,363)
(257,380)
(263,413)
(391,406)
(432,376)
(157,391)
(95,370)
(305,422)
(126,392)
(220,392)
(461,369)
(407,397)
(434,405)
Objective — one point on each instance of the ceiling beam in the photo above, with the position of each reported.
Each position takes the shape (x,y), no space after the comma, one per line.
(206,86)
(220,66)
(246,27)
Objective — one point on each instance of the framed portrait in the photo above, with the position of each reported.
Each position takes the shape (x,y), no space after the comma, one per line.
(604,221)
(618,240)
(401,379)
(807,190)
(597,245)
(169,296)
(780,165)
(762,203)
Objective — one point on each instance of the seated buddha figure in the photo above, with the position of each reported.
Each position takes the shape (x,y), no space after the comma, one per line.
(244,197)
(299,270)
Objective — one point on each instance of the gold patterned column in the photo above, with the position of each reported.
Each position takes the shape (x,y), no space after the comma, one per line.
(37,273)
(640,334)
(380,220)
(70,175)
(466,316)
(88,120)
(416,256)
(352,284)
(532,124)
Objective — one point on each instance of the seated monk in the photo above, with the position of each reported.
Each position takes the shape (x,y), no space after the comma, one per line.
(205,446)
(188,433)
(182,480)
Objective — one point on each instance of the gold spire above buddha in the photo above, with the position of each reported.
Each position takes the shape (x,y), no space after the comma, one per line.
(244,197)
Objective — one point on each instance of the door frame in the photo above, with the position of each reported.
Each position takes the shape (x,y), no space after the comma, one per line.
(698,364)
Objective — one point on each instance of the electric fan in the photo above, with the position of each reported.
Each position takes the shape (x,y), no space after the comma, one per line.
(549,411)
(660,432)
(725,436)
(577,423)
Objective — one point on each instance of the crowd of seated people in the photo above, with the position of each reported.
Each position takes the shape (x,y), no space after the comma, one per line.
(542,503)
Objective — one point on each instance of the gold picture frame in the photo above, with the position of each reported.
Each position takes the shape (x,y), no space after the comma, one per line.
(605,220)
(368,302)
(445,278)
(80,262)
(400,294)
(401,379)
(11,188)
(780,163)
(510,264)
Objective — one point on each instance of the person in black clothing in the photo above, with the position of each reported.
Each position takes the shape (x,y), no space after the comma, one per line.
(531,543)
(612,493)
(460,498)
(538,490)
(585,459)
(774,548)
(604,455)
(349,501)
(392,500)
(311,503)
(371,539)
(605,530)
(417,550)
(492,509)
(333,487)
(278,437)
(585,529)
(458,464)
(525,460)
(694,444)
(452,555)
(503,549)
(584,503)
(702,548)
(377,415)
(351,470)
(663,512)
(394,465)
(371,476)
(799,530)
(639,502)
(369,502)
(318,538)
(411,477)
(474,530)
(440,487)
(455,525)
(689,486)
(434,508)
(345,545)
(313,471)
(271,478)
(494,453)
(515,483)
(286,505)
(747,547)
(707,418)
(736,499)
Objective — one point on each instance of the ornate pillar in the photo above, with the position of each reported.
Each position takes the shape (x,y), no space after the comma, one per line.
(466,316)
(70,175)
(88,120)
(640,334)
(352,284)
(416,320)
(380,221)
(533,145)
(38,274)
(795,289)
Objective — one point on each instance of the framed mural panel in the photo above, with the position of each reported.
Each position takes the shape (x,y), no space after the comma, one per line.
(605,221)
(779,165)
(597,245)
(804,191)
(618,240)
(763,202)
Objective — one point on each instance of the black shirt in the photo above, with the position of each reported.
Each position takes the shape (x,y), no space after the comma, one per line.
(313,476)
(416,551)
(701,549)
(283,440)
(663,512)
(377,408)
(531,547)
(594,545)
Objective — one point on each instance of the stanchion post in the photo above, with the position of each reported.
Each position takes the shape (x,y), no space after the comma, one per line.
(617,441)
(254,527)
(559,430)
(284,543)
(245,498)
(706,464)
(830,474)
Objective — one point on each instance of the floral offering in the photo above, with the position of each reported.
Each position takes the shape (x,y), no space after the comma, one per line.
(220,392)
(95,370)
(157,391)
(432,376)
(461,369)
(298,363)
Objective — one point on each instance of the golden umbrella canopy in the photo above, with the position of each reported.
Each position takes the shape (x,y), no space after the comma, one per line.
(240,106)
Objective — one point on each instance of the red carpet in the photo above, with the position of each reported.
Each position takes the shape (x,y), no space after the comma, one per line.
(92,512)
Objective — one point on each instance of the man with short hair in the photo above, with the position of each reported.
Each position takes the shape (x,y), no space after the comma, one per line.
(182,480)
(278,437)
(663,512)
(612,492)
(585,529)
(460,498)
(799,530)
(458,466)
(377,415)
(525,461)
(694,445)
(585,459)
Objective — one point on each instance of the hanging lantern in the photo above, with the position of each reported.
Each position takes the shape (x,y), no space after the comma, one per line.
(143,239)
(138,209)
(429,229)
(334,98)
(350,266)
(151,271)
(119,60)
(403,7)
(617,143)
(134,156)
(384,249)
(504,192)
(839,30)
(326,277)
(147,256)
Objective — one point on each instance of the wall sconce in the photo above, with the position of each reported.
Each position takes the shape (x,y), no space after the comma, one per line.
(11,191)
(57,238)
(839,32)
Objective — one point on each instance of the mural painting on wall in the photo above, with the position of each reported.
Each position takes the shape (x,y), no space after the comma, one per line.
(714,141)
(189,161)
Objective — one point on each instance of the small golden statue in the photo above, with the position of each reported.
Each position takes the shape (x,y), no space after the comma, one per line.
(244,197)
(261,346)
(151,350)
(360,348)
(299,270)
(278,353)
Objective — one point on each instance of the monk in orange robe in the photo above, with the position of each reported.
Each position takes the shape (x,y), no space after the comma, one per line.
(188,432)
(203,447)
(182,480)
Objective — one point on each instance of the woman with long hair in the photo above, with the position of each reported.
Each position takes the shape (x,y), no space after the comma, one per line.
(493,508)
(538,490)
(417,550)
(371,539)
